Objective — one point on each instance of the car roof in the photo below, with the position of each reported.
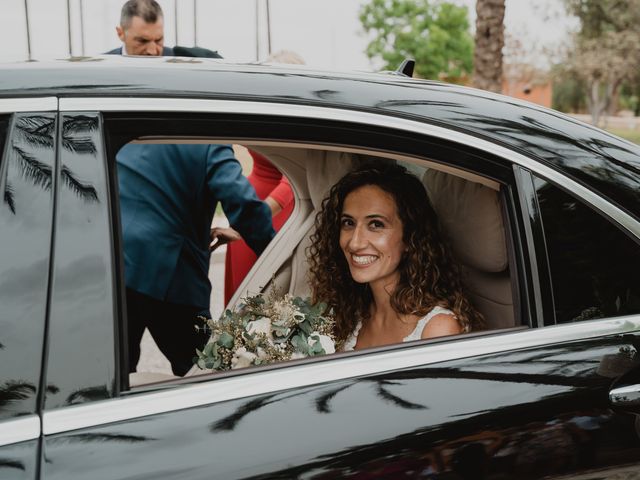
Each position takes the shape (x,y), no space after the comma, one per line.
(560,141)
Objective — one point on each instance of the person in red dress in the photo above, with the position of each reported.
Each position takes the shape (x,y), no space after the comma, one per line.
(272,187)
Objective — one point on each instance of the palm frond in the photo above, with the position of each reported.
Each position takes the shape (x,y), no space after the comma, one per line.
(85,191)
(107,437)
(34,169)
(10,201)
(400,402)
(79,124)
(79,144)
(322,402)
(75,134)
(15,464)
(13,391)
(230,422)
(37,130)
(88,394)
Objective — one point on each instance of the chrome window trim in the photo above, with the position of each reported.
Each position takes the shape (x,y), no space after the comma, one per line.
(116,104)
(28,104)
(20,429)
(341,367)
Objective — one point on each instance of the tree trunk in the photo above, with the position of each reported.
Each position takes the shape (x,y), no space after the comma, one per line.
(487,58)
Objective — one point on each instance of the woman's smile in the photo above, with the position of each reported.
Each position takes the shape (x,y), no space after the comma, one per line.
(363,259)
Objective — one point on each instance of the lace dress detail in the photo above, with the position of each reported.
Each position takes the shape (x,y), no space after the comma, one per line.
(350,343)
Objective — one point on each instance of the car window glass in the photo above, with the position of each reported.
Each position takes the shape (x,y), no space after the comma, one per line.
(25,235)
(594,265)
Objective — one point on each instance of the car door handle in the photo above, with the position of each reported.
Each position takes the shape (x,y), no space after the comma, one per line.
(628,396)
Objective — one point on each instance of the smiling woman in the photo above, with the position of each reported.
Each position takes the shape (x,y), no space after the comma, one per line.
(380,261)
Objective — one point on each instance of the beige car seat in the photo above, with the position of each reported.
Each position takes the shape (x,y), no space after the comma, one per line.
(470,213)
(471,217)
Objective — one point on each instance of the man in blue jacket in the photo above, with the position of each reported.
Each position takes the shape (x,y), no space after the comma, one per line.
(168,196)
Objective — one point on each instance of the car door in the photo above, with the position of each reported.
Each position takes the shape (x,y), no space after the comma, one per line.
(517,403)
(28,146)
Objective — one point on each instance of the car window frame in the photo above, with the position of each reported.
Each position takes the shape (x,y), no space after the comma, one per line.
(141,108)
(122,128)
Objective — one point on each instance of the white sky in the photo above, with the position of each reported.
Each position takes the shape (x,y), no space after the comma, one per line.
(326,33)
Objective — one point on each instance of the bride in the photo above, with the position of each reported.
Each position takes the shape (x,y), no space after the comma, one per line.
(378,259)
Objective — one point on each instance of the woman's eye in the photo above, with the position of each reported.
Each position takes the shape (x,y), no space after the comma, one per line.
(376,224)
(346,222)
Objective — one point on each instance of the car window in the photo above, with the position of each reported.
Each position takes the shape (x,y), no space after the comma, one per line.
(25,235)
(479,229)
(479,209)
(594,265)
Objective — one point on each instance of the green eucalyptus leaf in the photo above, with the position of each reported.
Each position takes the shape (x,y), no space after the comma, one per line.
(306,327)
(225,340)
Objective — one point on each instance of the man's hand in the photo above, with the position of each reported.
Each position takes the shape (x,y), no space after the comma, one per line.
(221,236)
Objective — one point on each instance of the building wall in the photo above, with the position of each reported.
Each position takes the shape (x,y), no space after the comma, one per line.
(538,93)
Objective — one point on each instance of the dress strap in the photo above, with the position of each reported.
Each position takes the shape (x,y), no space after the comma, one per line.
(422,323)
(350,343)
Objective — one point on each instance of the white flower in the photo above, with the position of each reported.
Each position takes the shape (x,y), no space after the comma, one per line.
(325,342)
(286,313)
(242,358)
(297,355)
(262,355)
(261,325)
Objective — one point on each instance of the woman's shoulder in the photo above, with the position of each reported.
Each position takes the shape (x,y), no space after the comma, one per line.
(439,322)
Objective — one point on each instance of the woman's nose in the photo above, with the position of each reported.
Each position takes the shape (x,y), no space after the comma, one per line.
(358,238)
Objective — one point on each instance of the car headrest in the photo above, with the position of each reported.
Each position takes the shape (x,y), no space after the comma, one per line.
(324,169)
(471,216)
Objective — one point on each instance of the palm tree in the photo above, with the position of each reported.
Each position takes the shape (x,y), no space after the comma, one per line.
(38,131)
(487,58)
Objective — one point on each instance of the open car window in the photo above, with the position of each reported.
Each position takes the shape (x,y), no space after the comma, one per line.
(471,208)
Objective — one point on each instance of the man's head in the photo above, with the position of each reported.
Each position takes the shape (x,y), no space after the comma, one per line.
(141,28)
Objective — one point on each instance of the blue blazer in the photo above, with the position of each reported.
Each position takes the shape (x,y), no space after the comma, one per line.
(168,196)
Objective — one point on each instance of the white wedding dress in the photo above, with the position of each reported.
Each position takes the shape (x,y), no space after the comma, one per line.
(350,343)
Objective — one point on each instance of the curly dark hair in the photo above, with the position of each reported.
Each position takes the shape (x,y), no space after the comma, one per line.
(429,276)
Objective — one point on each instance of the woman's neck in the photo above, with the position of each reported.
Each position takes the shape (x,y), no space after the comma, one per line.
(381,309)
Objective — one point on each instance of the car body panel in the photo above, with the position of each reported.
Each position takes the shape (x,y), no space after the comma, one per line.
(19,461)
(521,403)
(456,416)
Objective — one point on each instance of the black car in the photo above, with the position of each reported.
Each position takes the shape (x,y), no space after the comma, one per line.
(543,213)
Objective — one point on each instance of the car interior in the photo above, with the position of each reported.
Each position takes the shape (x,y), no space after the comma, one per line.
(470,207)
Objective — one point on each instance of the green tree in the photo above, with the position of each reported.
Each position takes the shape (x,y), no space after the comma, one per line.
(434,33)
(606,51)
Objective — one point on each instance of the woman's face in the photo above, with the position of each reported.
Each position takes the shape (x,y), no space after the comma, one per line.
(371,236)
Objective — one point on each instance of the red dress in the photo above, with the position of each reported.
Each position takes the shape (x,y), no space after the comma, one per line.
(268,182)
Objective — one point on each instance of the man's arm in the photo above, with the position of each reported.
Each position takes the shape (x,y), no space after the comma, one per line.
(246,213)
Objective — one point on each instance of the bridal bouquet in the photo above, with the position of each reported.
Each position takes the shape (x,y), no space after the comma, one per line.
(266,329)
